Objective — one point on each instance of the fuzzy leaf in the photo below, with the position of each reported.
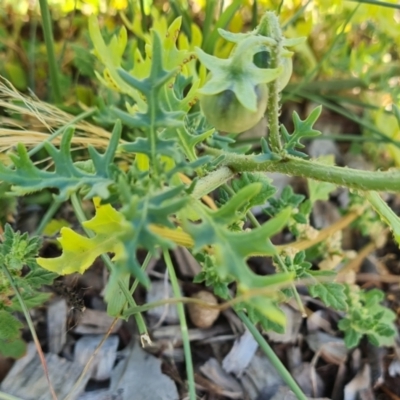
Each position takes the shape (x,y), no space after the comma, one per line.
(39,277)
(266,191)
(9,326)
(332,294)
(366,316)
(12,348)
(352,338)
(31,300)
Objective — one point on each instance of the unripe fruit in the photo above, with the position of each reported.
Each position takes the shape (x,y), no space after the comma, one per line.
(227,114)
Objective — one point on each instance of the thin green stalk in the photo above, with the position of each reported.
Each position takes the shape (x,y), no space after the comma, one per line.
(254,14)
(385,213)
(184,329)
(55,205)
(269,26)
(379,3)
(337,85)
(31,51)
(282,266)
(59,131)
(76,204)
(299,302)
(296,15)
(275,361)
(388,181)
(6,396)
(345,137)
(143,268)
(31,328)
(51,58)
(209,17)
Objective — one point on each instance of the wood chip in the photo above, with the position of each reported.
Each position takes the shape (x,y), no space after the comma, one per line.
(103,362)
(173,333)
(332,349)
(361,383)
(213,371)
(160,290)
(96,322)
(261,378)
(240,355)
(57,325)
(139,376)
(187,264)
(27,379)
(102,395)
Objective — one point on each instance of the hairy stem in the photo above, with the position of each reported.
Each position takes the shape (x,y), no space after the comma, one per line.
(269,26)
(388,181)
(212,181)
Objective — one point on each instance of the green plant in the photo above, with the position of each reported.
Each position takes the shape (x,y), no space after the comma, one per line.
(149,205)
(16,253)
(366,316)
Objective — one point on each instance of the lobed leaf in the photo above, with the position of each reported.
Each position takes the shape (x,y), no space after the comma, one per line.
(79,252)
(302,129)
(66,177)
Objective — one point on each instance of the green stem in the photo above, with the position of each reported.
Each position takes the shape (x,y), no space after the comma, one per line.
(6,396)
(33,22)
(275,361)
(51,58)
(299,302)
(212,181)
(337,85)
(379,3)
(269,26)
(31,328)
(282,266)
(143,268)
(184,329)
(385,212)
(59,131)
(55,205)
(388,181)
(76,204)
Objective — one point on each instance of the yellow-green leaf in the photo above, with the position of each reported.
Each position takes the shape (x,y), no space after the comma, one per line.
(79,252)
